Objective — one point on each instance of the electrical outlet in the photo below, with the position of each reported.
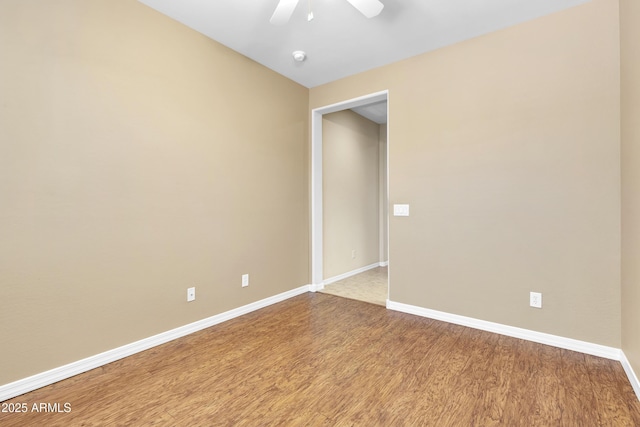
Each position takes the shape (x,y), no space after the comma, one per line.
(245,280)
(535,299)
(353,254)
(191,294)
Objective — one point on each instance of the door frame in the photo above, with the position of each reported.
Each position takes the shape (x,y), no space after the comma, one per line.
(317,279)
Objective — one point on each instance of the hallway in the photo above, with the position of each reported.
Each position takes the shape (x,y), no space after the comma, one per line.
(372,286)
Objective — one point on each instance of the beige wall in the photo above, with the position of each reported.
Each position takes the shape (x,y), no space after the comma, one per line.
(507,148)
(630,100)
(137,158)
(350,180)
(383,195)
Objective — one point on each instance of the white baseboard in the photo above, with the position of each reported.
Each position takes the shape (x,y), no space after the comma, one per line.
(633,378)
(383,264)
(512,331)
(316,288)
(34,382)
(43,379)
(350,273)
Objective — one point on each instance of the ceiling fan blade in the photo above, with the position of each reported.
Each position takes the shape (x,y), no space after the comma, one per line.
(283,12)
(368,8)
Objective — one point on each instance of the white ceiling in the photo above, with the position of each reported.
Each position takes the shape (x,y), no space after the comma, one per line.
(376,112)
(340,41)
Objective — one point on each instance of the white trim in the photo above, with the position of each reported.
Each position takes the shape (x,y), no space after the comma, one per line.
(512,331)
(388,188)
(34,382)
(316,174)
(350,273)
(316,198)
(316,288)
(633,379)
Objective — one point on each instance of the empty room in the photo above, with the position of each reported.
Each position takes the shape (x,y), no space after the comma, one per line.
(168,199)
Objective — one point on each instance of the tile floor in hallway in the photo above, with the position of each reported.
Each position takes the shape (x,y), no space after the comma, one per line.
(371,286)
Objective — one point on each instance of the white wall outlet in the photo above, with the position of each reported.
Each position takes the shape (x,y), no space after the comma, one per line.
(535,299)
(400,210)
(245,280)
(191,294)
(353,254)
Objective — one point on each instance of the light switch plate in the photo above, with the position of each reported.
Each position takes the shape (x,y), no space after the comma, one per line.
(400,210)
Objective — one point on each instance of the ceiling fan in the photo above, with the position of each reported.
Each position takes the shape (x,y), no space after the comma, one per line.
(285,8)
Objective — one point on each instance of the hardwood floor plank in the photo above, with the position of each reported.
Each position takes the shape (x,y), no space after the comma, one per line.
(533,388)
(613,396)
(321,360)
(577,399)
(475,385)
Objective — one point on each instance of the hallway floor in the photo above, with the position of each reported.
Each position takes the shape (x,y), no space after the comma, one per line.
(372,286)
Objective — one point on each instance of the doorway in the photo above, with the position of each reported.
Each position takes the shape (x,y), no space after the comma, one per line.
(370,102)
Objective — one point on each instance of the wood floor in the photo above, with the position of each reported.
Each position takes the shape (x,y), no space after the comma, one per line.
(322,360)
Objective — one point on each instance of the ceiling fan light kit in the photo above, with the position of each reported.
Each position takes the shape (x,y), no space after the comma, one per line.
(369,8)
(285,8)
